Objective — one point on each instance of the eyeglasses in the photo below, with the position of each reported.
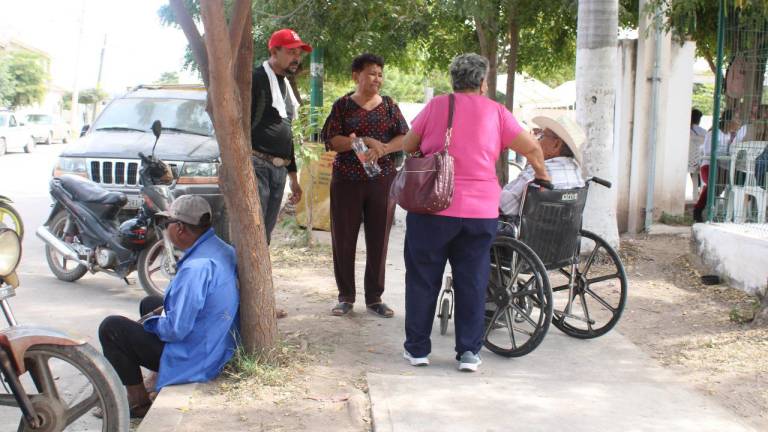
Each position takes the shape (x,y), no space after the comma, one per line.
(541,135)
(164,224)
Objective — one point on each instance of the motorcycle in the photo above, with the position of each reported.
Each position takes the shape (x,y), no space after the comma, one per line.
(66,378)
(83,233)
(10,217)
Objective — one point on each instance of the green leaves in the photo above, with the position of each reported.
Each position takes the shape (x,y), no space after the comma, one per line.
(23,78)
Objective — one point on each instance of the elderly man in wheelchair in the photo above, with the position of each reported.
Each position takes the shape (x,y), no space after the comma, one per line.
(544,266)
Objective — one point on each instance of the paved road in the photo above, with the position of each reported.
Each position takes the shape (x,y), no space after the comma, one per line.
(75,308)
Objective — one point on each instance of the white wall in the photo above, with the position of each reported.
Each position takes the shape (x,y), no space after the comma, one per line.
(673,124)
(674,127)
(624,119)
(738,253)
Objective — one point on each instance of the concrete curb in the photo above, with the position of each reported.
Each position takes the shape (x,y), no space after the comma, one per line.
(168,409)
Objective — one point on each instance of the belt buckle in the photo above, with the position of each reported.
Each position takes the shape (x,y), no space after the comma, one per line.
(278,162)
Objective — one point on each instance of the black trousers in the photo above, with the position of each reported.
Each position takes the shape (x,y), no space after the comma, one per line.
(128,346)
(353,203)
(430,242)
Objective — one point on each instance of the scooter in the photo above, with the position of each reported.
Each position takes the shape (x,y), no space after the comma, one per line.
(83,233)
(69,377)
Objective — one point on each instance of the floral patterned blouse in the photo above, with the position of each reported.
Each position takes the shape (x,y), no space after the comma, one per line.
(383,123)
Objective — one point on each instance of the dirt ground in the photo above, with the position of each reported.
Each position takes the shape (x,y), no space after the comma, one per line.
(693,329)
(698,331)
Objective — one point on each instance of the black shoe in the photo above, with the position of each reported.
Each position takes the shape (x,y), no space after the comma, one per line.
(697,212)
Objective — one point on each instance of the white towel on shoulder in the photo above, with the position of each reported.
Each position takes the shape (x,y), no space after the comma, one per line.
(277,97)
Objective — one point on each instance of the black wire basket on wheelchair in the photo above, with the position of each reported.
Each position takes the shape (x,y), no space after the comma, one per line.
(546,268)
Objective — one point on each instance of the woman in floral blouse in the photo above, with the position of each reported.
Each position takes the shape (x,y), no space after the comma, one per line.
(356,197)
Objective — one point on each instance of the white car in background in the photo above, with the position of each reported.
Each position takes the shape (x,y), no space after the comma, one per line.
(14,134)
(46,128)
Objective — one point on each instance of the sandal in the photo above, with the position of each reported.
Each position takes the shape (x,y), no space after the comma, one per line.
(381,309)
(135,411)
(140,411)
(341,309)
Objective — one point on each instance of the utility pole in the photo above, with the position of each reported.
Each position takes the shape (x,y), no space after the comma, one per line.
(97,103)
(316,93)
(74,121)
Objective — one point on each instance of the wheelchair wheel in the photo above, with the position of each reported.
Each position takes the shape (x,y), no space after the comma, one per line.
(518,305)
(445,312)
(599,291)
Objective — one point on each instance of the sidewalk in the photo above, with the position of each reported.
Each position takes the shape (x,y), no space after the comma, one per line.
(604,384)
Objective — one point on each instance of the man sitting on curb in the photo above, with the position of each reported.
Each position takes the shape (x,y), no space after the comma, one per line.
(191,334)
(560,140)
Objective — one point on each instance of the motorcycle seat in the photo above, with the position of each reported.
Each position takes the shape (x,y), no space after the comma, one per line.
(86,191)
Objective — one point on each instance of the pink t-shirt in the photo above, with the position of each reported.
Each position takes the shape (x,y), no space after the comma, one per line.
(481,129)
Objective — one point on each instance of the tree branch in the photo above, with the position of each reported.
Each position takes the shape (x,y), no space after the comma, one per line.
(184,19)
(711,63)
(237,24)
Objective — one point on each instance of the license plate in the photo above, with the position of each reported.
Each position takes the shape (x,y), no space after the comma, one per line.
(134,202)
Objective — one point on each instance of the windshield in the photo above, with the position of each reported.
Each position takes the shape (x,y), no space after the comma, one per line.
(182,115)
(39,119)
(3,120)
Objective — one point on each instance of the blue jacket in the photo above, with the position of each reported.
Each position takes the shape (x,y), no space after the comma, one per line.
(200,321)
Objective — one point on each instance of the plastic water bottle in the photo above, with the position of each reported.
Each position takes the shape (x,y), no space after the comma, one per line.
(371,167)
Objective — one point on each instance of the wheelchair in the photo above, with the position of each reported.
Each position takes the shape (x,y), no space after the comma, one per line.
(546,269)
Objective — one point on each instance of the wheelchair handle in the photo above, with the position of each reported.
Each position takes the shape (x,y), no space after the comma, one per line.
(543,183)
(600,181)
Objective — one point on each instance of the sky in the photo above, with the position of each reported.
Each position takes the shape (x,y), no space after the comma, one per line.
(138,48)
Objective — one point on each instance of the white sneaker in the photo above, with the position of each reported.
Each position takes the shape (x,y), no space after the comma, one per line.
(469,361)
(416,361)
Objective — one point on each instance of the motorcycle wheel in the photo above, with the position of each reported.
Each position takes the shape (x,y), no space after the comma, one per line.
(11,218)
(71,381)
(57,263)
(154,270)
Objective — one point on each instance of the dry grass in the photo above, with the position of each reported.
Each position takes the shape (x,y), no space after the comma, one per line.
(246,375)
(700,331)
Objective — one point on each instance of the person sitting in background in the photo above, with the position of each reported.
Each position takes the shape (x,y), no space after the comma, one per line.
(728,126)
(191,334)
(696,139)
(560,140)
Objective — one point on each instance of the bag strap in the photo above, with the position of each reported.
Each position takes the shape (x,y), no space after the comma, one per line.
(450,122)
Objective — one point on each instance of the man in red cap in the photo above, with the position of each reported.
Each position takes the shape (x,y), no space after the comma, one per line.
(274,106)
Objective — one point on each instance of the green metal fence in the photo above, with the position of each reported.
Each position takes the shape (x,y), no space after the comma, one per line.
(738,159)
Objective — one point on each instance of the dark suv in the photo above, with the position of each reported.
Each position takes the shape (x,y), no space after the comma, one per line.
(107,152)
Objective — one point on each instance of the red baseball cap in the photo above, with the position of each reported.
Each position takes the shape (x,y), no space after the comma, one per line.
(289,39)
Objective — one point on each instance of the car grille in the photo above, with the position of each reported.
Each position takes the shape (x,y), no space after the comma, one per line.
(119,172)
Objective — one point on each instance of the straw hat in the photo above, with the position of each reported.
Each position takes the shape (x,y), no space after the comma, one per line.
(566,129)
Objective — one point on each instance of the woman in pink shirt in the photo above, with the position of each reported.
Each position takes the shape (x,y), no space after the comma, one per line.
(461,234)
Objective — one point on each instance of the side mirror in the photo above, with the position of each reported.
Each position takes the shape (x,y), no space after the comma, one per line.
(84,129)
(157,128)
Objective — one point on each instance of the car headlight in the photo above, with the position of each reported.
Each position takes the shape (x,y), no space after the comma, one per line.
(10,251)
(70,165)
(199,173)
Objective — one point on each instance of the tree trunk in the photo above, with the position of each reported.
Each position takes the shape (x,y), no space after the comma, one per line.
(513,30)
(488,49)
(596,39)
(228,80)
(487,36)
